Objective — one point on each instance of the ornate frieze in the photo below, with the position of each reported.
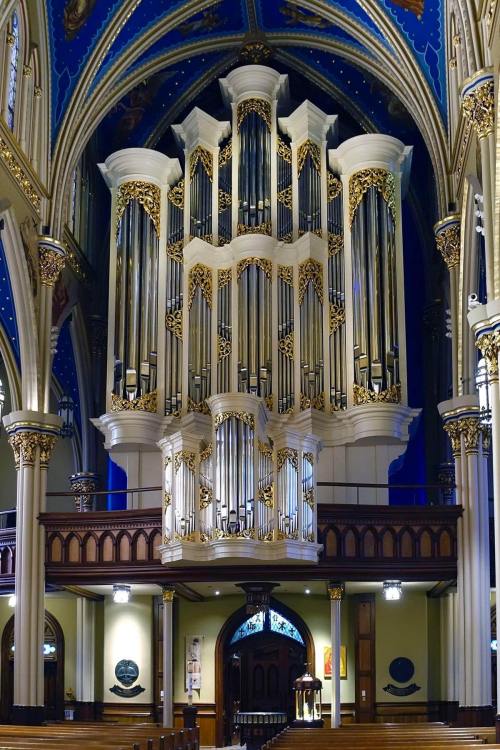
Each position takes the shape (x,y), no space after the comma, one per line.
(362,395)
(334,187)
(287,454)
(200,276)
(145,193)
(260,106)
(206,158)
(285,345)
(478,103)
(176,195)
(184,457)
(262,263)
(313,150)
(489,346)
(336,317)
(20,176)
(243,416)
(173,323)
(285,273)
(310,271)
(335,244)
(360,182)
(147,402)
(447,234)
(223,347)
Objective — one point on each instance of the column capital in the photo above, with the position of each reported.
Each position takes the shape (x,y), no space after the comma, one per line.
(28,431)
(489,346)
(472,430)
(478,101)
(51,259)
(447,232)
(336,591)
(168,593)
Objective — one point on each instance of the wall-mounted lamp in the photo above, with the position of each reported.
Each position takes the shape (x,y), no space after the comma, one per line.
(392,591)
(12,600)
(121,593)
(65,410)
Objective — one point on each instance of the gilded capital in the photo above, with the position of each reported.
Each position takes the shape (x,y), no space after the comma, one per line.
(489,346)
(168,593)
(51,260)
(447,234)
(454,432)
(472,430)
(478,103)
(336,591)
(24,445)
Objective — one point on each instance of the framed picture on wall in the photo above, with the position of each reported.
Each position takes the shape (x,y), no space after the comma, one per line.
(193,662)
(327,663)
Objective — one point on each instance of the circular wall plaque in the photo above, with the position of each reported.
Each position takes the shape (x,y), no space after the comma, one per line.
(401,669)
(126,672)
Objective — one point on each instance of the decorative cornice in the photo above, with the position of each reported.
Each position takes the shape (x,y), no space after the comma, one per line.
(360,182)
(146,193)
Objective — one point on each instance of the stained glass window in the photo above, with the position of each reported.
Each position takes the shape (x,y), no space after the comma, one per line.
(271,621)
(13,65)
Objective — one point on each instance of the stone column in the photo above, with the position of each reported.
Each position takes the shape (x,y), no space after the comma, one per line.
(336,593)
(470,440)
(168,682)
(32,437)
(51,259)
(447,232)
(85,657)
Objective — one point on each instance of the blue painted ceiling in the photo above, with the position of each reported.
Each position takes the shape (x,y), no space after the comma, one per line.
(156,28)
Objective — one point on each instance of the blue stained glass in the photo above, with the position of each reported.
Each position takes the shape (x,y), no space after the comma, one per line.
(254,624)
(280,624)
(273,622)
(13,65)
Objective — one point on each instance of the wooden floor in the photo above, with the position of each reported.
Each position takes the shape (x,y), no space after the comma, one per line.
(385,737)
(97,736)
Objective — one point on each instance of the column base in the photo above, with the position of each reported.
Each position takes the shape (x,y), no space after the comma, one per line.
(85,711)
(27,715)
(475,716)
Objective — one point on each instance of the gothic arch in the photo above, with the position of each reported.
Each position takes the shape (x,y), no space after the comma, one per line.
(233,621)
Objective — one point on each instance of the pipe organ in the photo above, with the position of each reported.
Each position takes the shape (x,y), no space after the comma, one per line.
(258,283)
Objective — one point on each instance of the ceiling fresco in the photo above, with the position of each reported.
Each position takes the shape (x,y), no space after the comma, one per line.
(157,28)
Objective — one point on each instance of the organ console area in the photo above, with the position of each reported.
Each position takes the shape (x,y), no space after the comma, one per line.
(256,306)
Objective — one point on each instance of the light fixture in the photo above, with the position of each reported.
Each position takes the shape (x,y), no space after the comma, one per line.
(65,410)
(258,596)
(2,399)
(217,592)
(307,591)
(392,591)
(121,593)
(12,600)
(494,645)
(483,392)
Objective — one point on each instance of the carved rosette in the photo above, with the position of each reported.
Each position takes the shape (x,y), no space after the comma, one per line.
(489,346)
(25,444)
(147,402)
(478,103)
(51,260)
(447,234)
(360,182)
(147,194)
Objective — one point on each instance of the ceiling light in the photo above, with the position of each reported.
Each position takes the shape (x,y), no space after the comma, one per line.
(121,593)
(12,600)
(217,593)
(307,591)
(392,591)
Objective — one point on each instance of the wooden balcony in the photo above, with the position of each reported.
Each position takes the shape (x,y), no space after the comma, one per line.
(360,542)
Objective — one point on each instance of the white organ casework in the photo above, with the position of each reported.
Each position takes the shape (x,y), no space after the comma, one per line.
(256,313)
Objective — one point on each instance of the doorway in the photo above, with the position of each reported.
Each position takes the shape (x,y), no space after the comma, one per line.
(258,657)
(53,670)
